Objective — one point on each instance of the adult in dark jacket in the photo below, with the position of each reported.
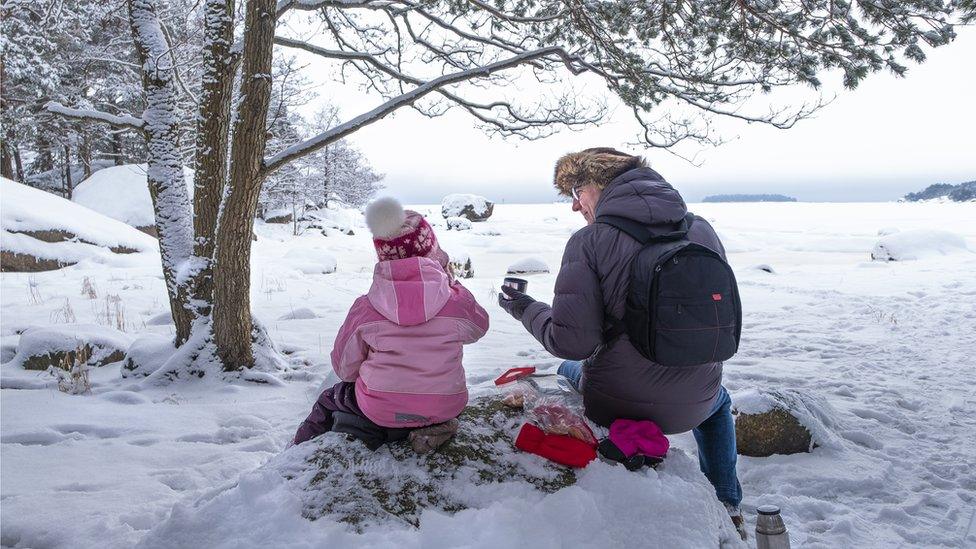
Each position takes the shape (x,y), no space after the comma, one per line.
(616,381)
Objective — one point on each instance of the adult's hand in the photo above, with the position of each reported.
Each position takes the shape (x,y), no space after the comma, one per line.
(516,303)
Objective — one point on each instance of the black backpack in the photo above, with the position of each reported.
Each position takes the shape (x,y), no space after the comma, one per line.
(683,305)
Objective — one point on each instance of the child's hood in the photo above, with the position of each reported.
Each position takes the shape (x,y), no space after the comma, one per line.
(409,291)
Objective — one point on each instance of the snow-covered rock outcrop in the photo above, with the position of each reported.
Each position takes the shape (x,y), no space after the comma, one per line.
(43,232)
(780,422)
(122,193)
(45,346)
(917,244)
(470,206)
(475,491)
(529,265)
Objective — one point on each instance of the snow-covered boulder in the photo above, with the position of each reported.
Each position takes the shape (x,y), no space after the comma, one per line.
(779,422)
(475,491)
(280,216)
(917,244)
(42,232)
(311,260)
(122,193)
(458,224)
(529,265)
(461,264)
(42,347)
(302,313)
(470,206)
(147,354)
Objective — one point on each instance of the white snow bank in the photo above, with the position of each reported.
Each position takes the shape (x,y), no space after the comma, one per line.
(148,353)
(122,193)
(673,506)
(30,210)
(61,338)
(454,204)
(917,244)
(529,265)
(311,260)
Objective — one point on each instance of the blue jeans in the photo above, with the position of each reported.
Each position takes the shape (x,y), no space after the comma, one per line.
(715,438)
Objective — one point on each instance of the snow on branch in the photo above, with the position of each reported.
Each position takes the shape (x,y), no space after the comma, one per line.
(120,121)
(324,139)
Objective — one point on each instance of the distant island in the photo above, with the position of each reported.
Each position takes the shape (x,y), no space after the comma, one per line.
(963,192)
(748,198)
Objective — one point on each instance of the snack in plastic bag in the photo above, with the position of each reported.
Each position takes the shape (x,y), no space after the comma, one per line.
(557,418)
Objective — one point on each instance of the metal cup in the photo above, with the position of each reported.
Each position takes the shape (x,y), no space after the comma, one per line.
(519,284)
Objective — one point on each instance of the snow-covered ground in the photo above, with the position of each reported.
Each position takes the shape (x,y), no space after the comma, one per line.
(889,345)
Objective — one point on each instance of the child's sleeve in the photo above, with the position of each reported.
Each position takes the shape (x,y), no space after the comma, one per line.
(474,322)
(350,349)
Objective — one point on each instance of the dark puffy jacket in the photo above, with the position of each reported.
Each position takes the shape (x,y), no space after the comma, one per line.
(592,285)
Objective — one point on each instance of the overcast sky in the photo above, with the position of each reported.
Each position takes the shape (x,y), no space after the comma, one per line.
(888,137)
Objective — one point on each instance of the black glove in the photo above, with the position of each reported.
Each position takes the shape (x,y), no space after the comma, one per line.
(516,304)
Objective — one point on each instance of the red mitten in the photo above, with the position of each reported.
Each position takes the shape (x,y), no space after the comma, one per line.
(561,449)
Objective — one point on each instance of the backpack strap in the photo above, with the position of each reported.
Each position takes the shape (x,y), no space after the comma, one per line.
(642,233)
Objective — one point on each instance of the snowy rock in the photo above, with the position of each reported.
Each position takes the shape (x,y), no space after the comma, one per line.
(764,268)
(917,244)
(458,224)
(278,216)
(42,232)
(122,193)
(147,354)
(312,260)
(162,319)
(779,422)
(42,347)
(529,265)
(302,313)
(475,491)
(461,264)
(470,206)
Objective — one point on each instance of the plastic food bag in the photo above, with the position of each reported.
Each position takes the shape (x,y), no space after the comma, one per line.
(549,400)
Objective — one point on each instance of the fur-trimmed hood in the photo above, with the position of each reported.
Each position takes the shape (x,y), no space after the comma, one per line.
(598,165)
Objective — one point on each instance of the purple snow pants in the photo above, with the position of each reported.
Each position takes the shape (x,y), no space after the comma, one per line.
(341,397)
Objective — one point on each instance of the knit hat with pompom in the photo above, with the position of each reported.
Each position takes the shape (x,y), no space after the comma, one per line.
(399,233)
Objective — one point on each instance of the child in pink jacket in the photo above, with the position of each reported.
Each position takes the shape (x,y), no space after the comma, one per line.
(399,351)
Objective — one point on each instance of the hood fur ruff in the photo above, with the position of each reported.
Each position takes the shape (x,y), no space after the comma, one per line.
(385,218)
(592,166)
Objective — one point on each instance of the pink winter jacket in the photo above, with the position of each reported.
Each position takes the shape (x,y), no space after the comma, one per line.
(401,344)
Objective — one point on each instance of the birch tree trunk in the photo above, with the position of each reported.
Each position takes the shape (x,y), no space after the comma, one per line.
(171,202)
(232,323)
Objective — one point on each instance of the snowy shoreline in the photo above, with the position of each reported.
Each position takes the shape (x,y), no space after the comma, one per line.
(888,344)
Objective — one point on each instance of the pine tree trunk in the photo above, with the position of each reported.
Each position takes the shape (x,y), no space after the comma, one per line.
(171,202)
(117,148)
(213,125)
(68,184)
(232,269)
(7,161)
(18,163)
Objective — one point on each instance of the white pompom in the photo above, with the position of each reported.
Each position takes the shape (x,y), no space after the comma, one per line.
(385,217)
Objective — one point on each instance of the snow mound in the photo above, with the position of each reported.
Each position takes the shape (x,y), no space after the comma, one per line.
(476,491)
(311,260)
(458,224)
(470,206)
(529,265)
(41,347)
(917,244)
(41,231)
(122,193)
(302,313)
(147,354)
